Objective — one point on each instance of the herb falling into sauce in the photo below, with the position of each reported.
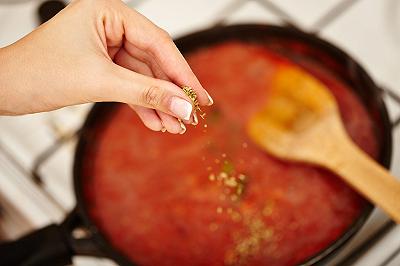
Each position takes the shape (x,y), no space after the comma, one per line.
(249,242)
(255,235)
(249,245)
(233,184)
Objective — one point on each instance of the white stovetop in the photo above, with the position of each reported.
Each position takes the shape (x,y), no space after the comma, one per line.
(369,31)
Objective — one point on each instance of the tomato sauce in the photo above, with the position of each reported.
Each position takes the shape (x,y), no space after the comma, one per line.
(161,200)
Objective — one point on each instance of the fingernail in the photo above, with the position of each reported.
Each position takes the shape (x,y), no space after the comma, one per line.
(195,119)
(210,100)
(183,127)
(163,128)
(181,108)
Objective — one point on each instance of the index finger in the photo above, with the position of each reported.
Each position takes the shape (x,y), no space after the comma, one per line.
(142,33)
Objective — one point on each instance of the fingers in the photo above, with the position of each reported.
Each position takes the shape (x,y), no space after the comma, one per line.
(149,118)
(129,87)
(134,52)
(171,124)
(123,59)
(159,45)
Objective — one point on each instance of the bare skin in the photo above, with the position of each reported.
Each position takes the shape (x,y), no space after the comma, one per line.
(95,51)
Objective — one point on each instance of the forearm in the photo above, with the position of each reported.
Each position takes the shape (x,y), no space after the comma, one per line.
(8,82)
(34,78)
(17,93)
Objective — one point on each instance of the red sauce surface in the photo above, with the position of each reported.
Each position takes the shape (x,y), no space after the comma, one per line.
(151,196)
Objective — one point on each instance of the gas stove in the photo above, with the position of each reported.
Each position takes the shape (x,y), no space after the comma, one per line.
(36,151)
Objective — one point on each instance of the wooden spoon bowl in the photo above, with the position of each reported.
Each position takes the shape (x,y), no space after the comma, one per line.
(301,122)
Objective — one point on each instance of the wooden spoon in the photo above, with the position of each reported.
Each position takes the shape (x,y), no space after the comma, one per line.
(301,122)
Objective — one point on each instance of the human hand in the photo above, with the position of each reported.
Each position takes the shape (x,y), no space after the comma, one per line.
(94,51)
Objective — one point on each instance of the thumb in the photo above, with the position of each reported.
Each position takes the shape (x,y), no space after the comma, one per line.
(137,89)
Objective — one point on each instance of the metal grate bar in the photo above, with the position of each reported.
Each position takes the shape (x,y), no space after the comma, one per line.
(20,169)
(268,5)
(229,10)
(391,258)
(367,244)
(47,153)
(395,97)
(332,14)
(286,18)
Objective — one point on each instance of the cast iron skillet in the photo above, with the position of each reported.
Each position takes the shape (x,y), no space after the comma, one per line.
(78,235)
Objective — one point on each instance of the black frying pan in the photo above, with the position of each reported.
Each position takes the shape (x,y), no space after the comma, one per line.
(78,235)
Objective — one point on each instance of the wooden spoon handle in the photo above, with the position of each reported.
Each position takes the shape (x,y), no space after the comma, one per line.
(367,177)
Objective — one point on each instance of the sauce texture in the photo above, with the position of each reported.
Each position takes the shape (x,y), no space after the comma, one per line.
(163,200)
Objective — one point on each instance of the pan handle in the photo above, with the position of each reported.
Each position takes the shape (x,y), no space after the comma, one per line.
(54,245)
(46,246)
